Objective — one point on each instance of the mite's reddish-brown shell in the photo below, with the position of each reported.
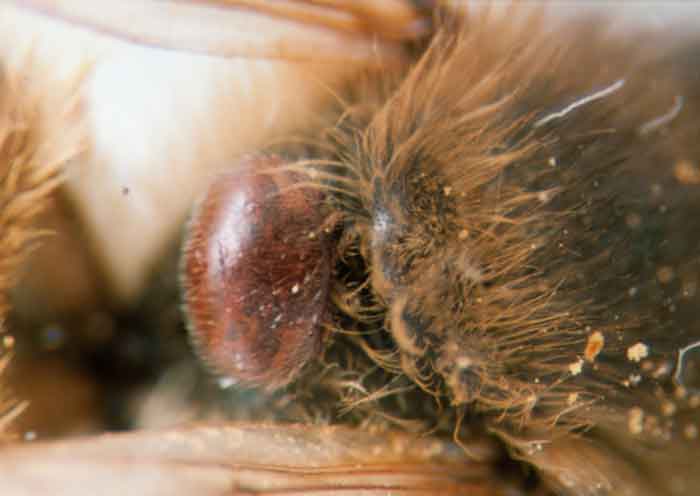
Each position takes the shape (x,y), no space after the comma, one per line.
(256,272)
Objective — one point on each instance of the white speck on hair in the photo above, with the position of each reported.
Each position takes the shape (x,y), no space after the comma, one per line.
(637,352)
(226,382)
(576,367)
(544,196)
(668,408)
(662,370)
(635,420)
(295,289)
(464,362)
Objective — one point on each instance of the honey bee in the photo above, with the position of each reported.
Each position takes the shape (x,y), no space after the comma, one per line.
(475,272)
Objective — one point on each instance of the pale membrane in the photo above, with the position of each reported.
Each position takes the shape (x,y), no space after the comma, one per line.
(161,124)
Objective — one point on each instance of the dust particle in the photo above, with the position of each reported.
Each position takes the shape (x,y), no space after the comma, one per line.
(689,289)
(662,370)
(680,392)
(636,352)
(633,220)
(576,367)
(686,172)
(595,344)
(668,408)
(635,420)
(665,274)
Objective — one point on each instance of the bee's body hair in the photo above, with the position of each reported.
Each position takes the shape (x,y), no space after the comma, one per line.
(517,195)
